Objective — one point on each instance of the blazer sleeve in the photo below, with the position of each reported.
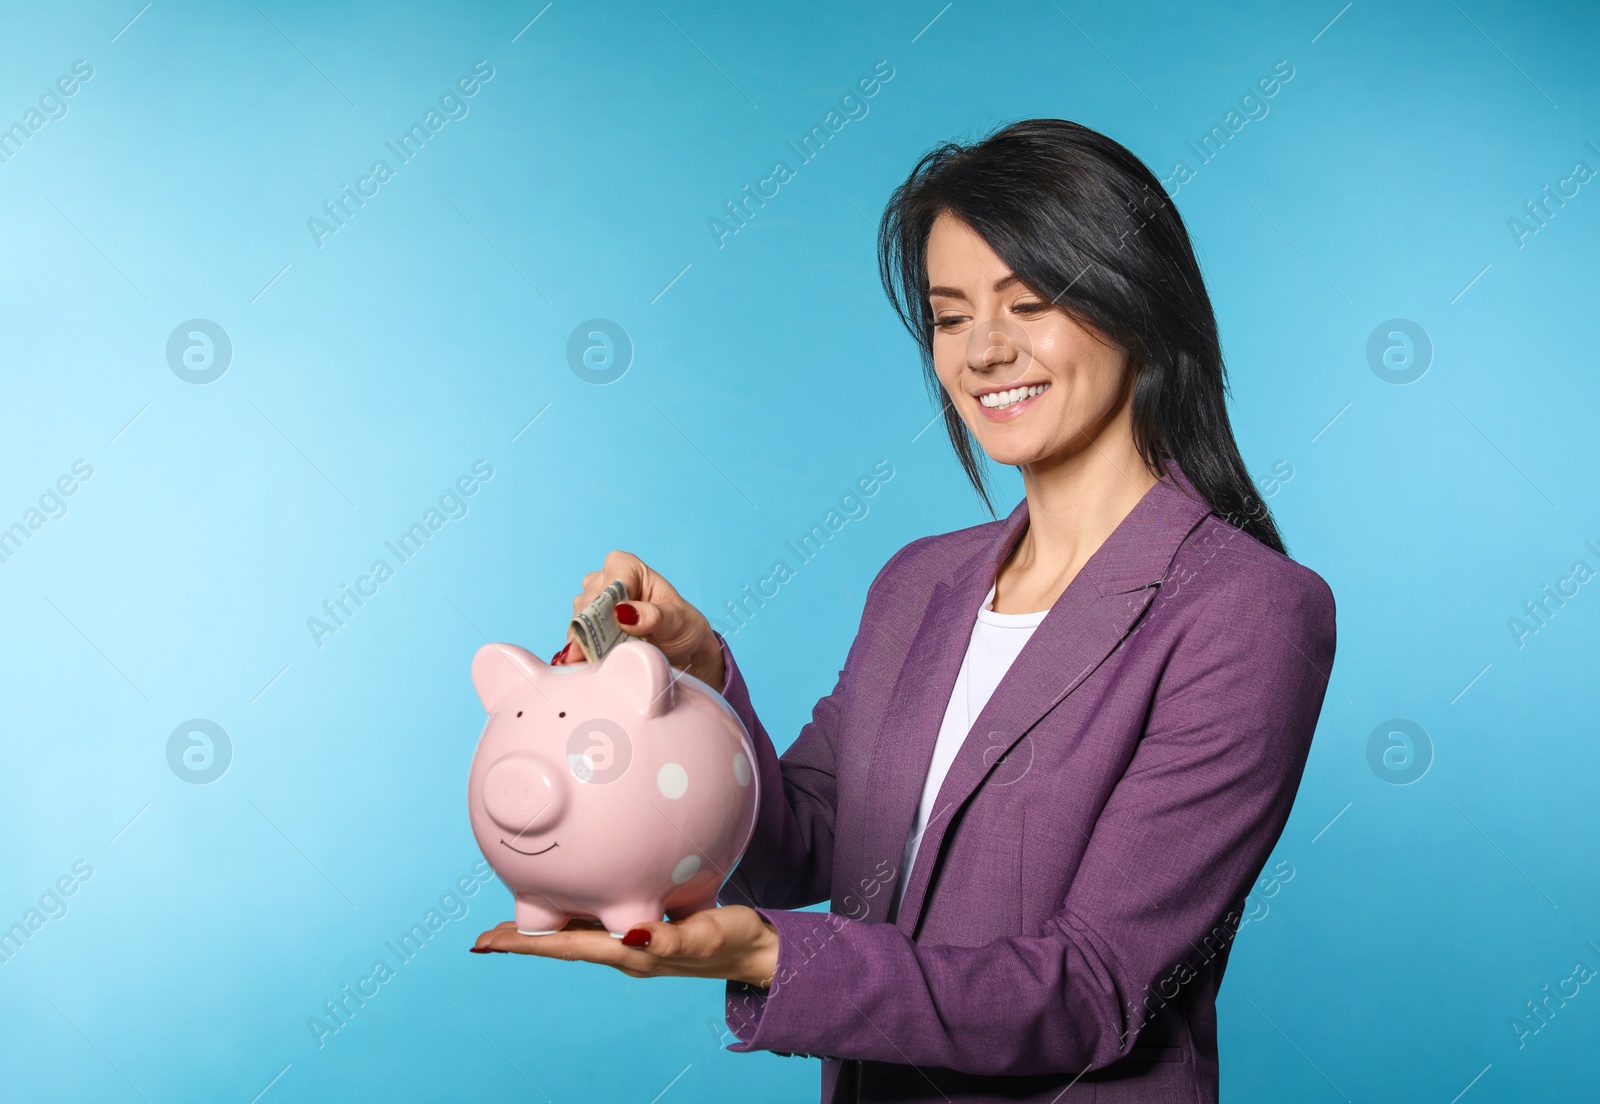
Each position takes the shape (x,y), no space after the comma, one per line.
(1183,835)
(789,861)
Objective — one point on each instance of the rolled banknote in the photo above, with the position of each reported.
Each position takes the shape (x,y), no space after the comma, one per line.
(596,624)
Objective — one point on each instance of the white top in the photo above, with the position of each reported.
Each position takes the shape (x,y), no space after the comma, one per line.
(997,638)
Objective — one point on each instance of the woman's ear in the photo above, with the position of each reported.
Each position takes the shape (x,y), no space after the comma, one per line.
(504,672)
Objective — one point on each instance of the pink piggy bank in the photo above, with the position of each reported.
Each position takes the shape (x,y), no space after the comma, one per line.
(618,790)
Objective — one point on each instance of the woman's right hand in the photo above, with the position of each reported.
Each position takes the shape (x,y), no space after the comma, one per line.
(656,613)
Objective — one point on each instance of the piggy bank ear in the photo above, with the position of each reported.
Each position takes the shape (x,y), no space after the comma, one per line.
(641,677)
(504,672)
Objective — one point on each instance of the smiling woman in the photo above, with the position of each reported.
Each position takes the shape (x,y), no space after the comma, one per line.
(1038,794)
(1082,251)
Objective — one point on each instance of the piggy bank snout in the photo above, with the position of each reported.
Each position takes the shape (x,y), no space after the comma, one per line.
(524,793)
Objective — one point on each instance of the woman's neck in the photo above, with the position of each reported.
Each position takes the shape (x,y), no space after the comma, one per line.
(1074,504)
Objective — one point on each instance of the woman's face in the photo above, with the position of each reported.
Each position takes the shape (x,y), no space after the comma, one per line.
(1030,383)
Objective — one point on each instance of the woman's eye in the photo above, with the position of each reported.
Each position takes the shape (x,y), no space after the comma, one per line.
(949,321)
(1028,308)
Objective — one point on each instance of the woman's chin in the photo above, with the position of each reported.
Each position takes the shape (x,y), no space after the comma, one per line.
(1019,454)
(1014,456)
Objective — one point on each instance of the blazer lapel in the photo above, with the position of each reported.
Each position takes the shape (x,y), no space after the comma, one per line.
(1088,621)
(904,750)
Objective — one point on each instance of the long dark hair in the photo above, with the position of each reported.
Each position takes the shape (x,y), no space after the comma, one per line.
(1083,222)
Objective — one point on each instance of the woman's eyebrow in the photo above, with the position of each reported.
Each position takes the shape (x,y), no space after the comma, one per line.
(956,293)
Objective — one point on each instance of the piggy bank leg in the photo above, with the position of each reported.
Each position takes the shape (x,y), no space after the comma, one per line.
(618,918)
(678,912)
(537,916)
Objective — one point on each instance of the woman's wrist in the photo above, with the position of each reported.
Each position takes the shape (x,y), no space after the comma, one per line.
(764,957)
(709,667)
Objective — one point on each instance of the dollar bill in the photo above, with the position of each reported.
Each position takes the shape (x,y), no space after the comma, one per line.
(596,624)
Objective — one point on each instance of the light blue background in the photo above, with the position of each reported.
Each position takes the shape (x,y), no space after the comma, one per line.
(426,334)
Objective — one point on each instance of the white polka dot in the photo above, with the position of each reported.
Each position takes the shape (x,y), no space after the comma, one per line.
(685,869)
(672,780)
(741,768)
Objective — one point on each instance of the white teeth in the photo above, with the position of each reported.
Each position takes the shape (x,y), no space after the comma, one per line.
(999,399)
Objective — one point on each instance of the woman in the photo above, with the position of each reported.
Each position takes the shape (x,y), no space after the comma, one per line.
(1064,743)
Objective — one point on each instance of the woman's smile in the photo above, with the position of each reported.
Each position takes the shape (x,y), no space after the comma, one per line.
(1008,404)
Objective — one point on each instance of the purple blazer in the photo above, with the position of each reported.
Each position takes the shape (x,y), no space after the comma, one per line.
(1074,897)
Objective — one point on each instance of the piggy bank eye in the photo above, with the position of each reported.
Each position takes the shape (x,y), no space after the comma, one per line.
(562,714)
(519,712)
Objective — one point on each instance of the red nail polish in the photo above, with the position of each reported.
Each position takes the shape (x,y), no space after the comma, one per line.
(636,937)
(555,659)
(480,950)
(627,614)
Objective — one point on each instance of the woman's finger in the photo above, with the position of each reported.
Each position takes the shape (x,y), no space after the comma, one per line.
(702,937)
(726,942)
(630,569)
(571,652)
(653,611)
(622,567)
(619,566)
(675,628)
(576,944)
(647,619)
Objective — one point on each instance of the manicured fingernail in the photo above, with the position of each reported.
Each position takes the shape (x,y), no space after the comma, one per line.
(480,950)
(555,659)
(627,614)
(636,937)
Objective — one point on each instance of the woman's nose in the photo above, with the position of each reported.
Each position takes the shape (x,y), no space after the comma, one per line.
(997,344)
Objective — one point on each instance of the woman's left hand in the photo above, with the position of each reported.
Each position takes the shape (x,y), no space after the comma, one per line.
(733,942)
